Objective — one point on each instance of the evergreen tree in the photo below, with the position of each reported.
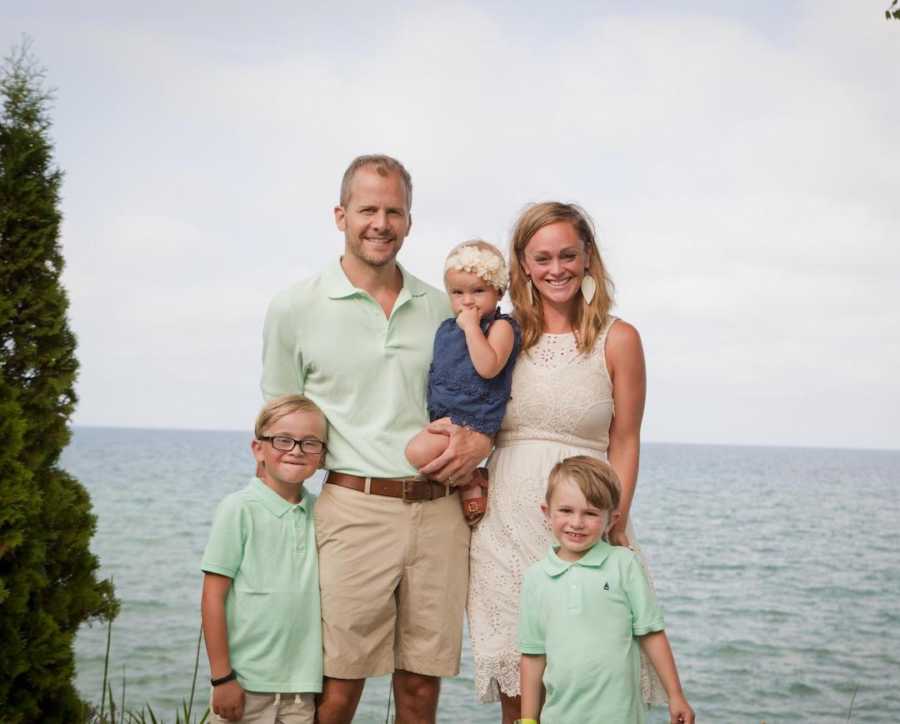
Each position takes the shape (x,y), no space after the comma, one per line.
(48,582)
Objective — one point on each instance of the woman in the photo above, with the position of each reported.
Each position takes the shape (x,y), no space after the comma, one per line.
(578,389)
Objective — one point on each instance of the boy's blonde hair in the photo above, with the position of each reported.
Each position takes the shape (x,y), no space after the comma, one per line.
(278,407)
(596,479)
(478,257)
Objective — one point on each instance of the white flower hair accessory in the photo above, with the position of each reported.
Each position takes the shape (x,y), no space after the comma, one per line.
(486,264)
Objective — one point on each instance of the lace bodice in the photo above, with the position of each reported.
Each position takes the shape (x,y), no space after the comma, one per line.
(560,395)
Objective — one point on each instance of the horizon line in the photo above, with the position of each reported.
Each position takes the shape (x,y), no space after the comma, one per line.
(785,446)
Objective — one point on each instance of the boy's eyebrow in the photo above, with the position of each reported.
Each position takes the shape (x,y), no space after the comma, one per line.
(287,434)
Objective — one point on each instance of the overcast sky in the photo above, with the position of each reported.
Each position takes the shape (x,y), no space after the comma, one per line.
(741,160)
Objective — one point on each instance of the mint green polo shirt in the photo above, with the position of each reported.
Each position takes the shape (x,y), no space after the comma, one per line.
(267,546)
(332,342)
(584,617)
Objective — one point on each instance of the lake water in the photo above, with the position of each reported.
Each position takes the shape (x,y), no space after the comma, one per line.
(778,570)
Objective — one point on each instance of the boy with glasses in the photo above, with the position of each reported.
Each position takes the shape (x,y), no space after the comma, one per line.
(260,603)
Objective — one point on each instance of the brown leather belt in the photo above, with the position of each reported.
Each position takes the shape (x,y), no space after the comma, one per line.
(410,490)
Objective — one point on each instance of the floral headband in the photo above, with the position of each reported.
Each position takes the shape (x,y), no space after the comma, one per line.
(486,264)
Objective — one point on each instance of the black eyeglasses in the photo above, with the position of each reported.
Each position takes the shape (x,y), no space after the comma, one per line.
(284,443)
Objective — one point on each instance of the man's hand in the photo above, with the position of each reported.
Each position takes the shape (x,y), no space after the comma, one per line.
(466,449)
(228,701)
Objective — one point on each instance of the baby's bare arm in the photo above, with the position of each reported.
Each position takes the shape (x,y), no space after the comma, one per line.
(490,354)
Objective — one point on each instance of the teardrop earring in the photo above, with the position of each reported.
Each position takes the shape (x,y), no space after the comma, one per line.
(588,288)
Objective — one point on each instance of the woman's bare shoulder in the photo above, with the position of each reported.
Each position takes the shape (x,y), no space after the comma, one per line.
(623,336)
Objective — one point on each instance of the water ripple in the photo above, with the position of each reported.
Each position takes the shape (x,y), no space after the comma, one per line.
(780,585)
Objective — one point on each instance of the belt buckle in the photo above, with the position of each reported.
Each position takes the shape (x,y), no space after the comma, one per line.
(407,485)
(403,484)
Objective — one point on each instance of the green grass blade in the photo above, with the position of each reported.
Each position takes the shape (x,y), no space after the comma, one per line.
(194,680)
(122,704)
(112,706)
(105,668)
(852,699)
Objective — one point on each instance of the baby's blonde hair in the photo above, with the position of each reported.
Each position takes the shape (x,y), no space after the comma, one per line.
(596,479)
(493,271)
(279,407)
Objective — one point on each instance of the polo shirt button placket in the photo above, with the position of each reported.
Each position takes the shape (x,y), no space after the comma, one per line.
(298,528)
(574,590)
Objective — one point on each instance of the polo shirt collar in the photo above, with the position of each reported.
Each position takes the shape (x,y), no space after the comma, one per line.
(338,286)
(273,502)
(554,566)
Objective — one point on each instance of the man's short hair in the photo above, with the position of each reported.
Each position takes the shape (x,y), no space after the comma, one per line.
(383,166)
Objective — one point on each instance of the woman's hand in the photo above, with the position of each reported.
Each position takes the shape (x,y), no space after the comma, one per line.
(617,535)
(680,711)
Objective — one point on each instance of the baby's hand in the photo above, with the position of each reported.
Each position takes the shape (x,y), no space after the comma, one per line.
(468,318)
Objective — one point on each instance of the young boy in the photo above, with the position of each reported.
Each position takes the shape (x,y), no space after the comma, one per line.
(260,604)
(585,607)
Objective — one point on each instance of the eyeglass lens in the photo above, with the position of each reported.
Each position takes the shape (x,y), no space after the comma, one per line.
(286,444)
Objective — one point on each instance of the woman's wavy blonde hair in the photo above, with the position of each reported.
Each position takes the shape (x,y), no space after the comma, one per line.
(589,319)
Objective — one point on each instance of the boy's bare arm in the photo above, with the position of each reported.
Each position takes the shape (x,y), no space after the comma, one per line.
(489,354)
(656,646)
(531,675)
(228,698)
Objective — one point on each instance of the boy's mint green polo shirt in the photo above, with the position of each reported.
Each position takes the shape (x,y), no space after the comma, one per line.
(267,546)
(584,616)
(327,339)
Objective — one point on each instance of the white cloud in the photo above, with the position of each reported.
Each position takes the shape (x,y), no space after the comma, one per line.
(743,177)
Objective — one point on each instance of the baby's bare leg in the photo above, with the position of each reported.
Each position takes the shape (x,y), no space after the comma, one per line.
(425,447)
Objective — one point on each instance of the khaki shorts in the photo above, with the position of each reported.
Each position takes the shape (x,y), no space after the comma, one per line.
(393,577)
(272,709)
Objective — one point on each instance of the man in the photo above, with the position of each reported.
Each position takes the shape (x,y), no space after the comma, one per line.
(393,551)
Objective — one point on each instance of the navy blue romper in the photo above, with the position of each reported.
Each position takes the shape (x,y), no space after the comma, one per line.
(457,391)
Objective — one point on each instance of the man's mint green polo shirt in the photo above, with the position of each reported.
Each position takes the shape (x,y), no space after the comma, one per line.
(267,546)
(584,617)
(332,342)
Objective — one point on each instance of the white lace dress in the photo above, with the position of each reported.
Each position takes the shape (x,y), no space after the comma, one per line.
(561,406)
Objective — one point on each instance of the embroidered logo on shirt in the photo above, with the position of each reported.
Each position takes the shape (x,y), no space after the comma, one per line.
(606,586)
